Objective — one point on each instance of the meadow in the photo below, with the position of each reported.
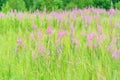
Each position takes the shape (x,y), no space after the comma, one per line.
(79,44)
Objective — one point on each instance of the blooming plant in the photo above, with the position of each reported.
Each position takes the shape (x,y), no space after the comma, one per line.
(80,44)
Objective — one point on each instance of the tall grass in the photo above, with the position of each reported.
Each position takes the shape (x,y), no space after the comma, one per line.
(67,45)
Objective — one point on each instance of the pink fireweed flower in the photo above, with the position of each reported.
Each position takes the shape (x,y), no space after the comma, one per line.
(20,16)
(39,34)
(19,42)
(34,55)
(34,26)
(88,19)
(97,16)
(111,48)
(2,15)
(116,54)
(100,37)
(90,36)
(99,27)
(61,33)
(49,30)
(59,16)
(111,11)
(41,49)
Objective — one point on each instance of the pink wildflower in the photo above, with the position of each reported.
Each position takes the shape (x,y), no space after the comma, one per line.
(41,49)
(112,11)
(34,56)
(61,33)
(19,41)
(110,48)
(39,33)
(99,27)
(90,36)
(2,15)
(20,17)
(116,54)
(34,26)
(49,30)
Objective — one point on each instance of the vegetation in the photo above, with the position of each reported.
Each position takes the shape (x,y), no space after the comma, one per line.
(117,5)
(33,5)
(65,45)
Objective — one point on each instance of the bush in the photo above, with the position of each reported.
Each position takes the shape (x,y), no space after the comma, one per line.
(88,3)
(117,5)
(102,3)
(49,5)
(71,5)
(79,4)
(6,8)
(115,1)
(29,4)
(23,5)
(2,2)
(57,4)
(84,3)
(18,5)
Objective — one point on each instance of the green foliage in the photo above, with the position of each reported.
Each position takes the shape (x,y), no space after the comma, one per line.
(117,5)
(28,53)
(6,8)
(84,3)
(102,3)
(57,4)
(115,1)
(2,2)
(88,3)
(29,4)
(19,5)
(71,6)
(79,4)
(23,5)
(48,4)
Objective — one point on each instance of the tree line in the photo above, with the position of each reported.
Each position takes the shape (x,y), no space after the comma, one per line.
(49,5)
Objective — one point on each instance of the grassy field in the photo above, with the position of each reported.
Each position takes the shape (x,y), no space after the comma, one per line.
(66,45)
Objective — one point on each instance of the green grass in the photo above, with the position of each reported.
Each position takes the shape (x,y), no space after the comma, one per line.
(75,61)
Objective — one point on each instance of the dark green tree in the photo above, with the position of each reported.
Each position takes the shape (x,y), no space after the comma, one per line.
(102,3)
(2,2)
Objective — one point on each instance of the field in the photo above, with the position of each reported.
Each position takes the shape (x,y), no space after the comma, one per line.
(65,45)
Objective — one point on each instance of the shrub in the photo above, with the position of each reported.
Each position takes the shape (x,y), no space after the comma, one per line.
(19,5)
(115,1)
(84,3)
(102,3)
(117,5)
(79,4)
(49,5)
(2,2)
(29,4)
(6,8)
(57,4)
(71,5)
